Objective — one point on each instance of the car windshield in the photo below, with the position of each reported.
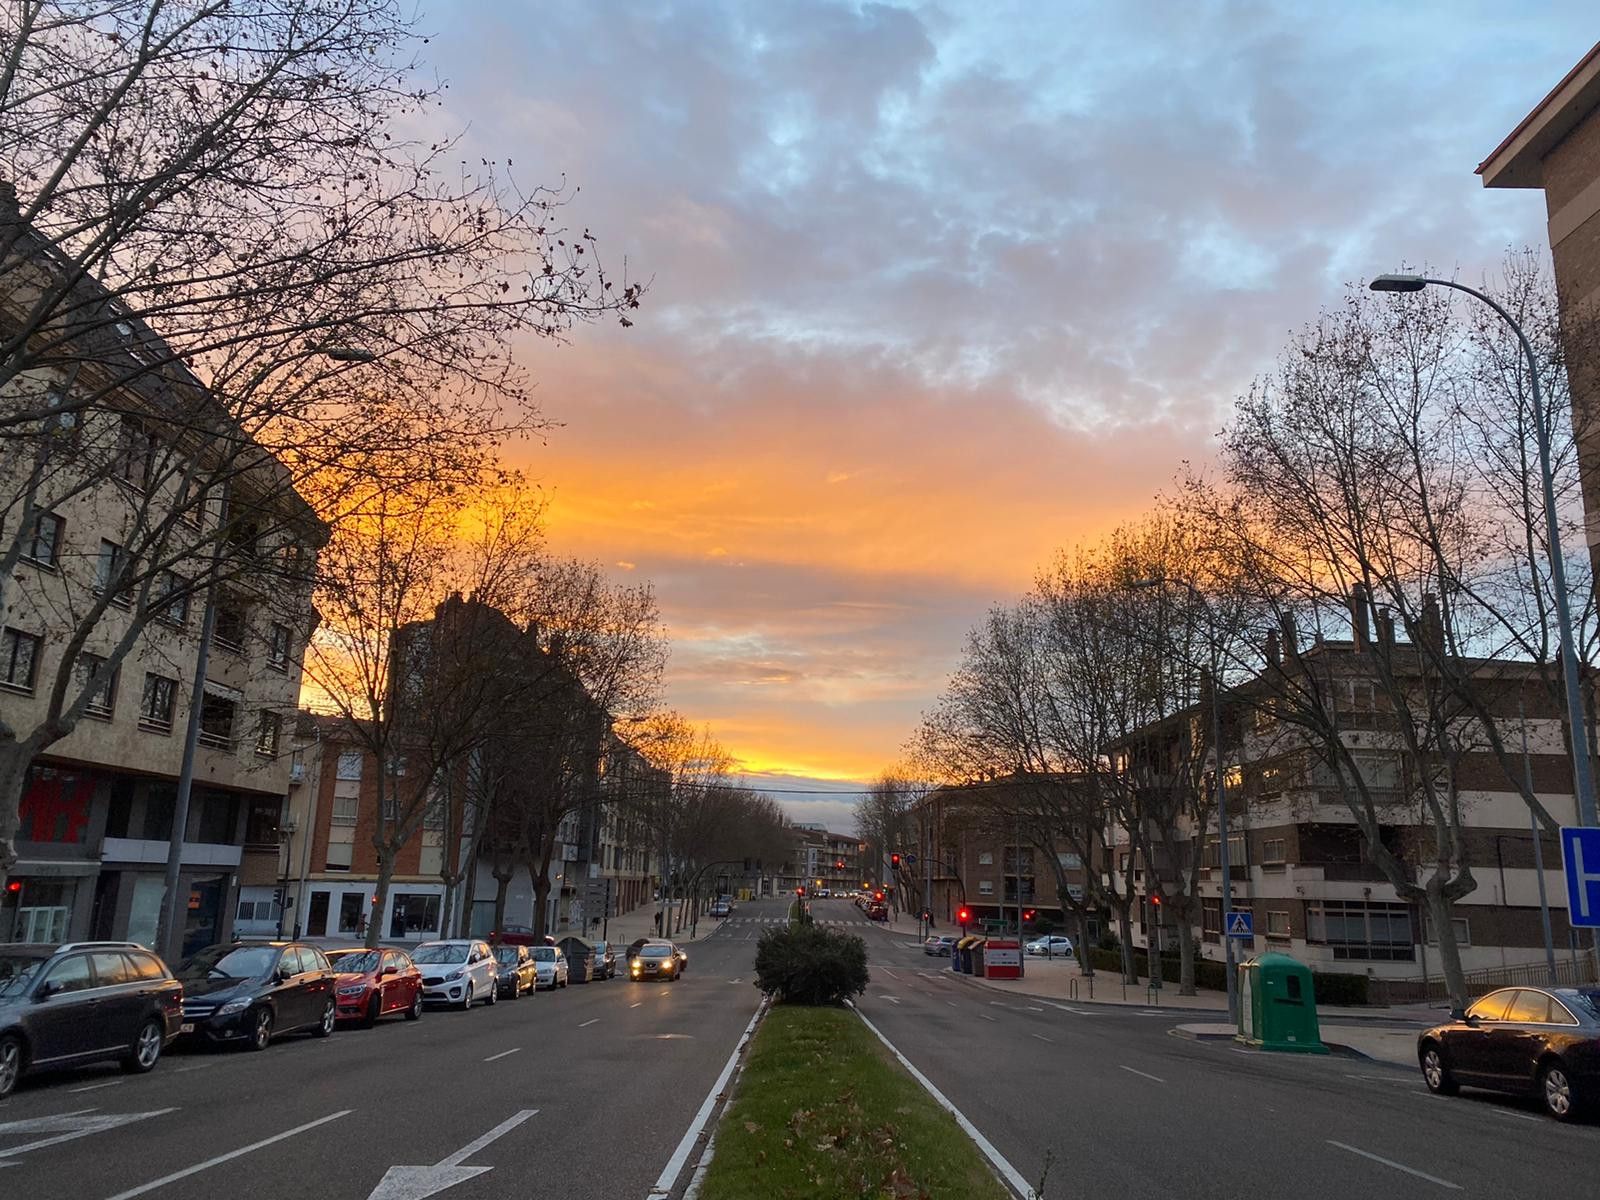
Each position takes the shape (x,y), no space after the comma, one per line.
(440,952)
(354,961)
(506,956)
(543,954)
(16,972)
(229,962)
(1586,1002)
(656,952)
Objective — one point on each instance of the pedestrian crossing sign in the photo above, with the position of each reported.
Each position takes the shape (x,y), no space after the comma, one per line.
(1241,925)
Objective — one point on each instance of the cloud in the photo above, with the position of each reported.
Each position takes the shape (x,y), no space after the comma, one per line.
(937,289)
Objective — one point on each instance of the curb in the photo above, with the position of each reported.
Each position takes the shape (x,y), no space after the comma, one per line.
(1336,1049)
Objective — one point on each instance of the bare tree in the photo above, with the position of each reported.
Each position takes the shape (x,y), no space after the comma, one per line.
(236,294)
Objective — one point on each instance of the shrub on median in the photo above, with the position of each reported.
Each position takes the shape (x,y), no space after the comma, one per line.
(811,964)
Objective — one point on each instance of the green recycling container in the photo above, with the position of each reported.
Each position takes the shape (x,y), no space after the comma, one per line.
(1277,1005)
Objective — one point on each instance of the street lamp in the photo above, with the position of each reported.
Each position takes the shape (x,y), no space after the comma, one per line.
(1222,813)
(1582,776)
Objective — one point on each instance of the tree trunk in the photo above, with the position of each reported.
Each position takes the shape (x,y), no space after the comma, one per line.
(467,902)
(380,895)
(445,904)
(502,888)
(1085,950)
(1185,956)
(1130,973)
(14,762)
(1441,911)
(541,901)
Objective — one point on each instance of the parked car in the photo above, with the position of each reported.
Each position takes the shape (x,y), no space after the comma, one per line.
(551,966)
(877,912)
(83,1002)
(251,992)
(376,983)
(520,935)
(457,971)
(655,960)
(1527,1041)
(517,972)
(939,945)
(1054,946)
(605,960)
(720,908)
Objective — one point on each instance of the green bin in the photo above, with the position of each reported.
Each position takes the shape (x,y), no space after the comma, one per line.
(1278,1006)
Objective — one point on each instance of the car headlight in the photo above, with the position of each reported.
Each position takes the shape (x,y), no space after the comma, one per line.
(353,990)
(454,975)
(234,1006)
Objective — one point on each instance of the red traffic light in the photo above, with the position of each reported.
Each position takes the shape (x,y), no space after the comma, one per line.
(878,896)
(894,860)
(1030,914)
(963,916)
(13,886)
(800,891)
(1156,899)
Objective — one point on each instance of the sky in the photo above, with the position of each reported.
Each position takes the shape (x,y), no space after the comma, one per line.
(935,289)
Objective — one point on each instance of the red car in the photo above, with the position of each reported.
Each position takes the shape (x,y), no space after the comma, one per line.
(520,935)
(376,983)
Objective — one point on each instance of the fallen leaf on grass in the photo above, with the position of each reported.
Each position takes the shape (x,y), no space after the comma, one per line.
(751,1127)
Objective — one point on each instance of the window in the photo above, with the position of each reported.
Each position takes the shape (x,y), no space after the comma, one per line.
(267,733)
(1530,1007)
(1122,861)
(1277,923)
(391,810)
(1361,695)
(1238,852)
(43,546)
(217,713)
(261,821)
(1366,931)
(1069,862)
(1493,1006)
(231,624)
(345,809)
(100,681)
(155,705)
(144,966)
(1272,850)
(340,855)
(292,559)
(414,912)
(278,646)
(349,765)
(244,535)
(136,453)
(258,910)
(19,656)
(349,912)
(172,598)
(986,858)
(985,887)
(111,572)
(110,969)
(71,974)
(1461,925)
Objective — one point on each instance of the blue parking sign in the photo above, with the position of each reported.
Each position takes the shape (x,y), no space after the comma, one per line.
(1580,859)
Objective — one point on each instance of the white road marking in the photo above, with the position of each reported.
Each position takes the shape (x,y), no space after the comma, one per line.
(1042,1038)
(890,972)
(416,1183)
(502,1054)
(1034,1008)
(589,1022)
(1146,1074)
(636,1004)
(985,1017)
(1389,1162)
(668,1178)
(1506,1112)
(890,999)
(229,1156)
(95,1087)
(1010,1174)
(66,1127)
(951,1003)
(478,1143)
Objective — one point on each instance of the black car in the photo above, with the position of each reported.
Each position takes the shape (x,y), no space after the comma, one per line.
(515,970)
(1528,1041)
(84,1002)
(252,991)
(605,960)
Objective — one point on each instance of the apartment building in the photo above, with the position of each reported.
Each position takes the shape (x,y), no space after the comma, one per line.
(109,514)
(1297,861)
(966,858)
(1556,149)
(819,858)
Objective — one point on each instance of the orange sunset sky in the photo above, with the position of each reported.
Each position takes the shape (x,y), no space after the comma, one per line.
(937,289)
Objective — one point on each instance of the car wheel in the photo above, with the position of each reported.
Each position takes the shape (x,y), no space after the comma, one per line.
(414,1013)
(1435,1074)
(324,1027)
(468,998)
(1557,1091)
(10,1064)
(494,994)
(146,1049)
(260,1029)
(374,1011)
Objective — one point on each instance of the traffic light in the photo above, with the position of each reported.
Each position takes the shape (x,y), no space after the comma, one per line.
(878,896)
(1029,914)
(13,886)
(963,916)
(800,891)
(894,861)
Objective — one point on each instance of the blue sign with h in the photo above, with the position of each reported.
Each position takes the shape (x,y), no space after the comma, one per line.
(1580,857)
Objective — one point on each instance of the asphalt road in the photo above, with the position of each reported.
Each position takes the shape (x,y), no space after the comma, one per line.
(612,1072)
(1100,1100)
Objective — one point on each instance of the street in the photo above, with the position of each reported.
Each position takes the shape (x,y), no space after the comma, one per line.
(586,1092)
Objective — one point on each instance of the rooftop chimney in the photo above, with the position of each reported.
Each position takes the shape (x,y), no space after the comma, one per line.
(1360,602)
(1272,648)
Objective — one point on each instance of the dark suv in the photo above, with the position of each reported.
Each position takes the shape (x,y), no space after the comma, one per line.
(83,1002)
(253,991)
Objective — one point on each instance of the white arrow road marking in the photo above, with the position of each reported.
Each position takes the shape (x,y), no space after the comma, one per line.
(229,1156)
(68,1126)
(890,999)
(417,1183)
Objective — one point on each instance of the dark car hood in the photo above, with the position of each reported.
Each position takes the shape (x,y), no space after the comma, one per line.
(217,989)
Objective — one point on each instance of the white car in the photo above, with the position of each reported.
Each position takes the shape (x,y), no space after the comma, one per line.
(457,972)
(551,965)
(1055,946)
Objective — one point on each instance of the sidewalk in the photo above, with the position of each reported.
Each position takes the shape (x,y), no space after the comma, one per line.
(1054,979)
(641,922)
(1395,1046)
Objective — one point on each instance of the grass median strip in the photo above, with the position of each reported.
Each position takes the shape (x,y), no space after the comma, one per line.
(822,1111)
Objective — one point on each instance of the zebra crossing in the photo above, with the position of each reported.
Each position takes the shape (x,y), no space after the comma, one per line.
(785,921)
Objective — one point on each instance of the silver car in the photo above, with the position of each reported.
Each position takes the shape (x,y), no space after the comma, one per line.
(551,964)
(457,972)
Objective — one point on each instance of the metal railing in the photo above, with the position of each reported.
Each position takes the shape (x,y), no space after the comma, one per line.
(1569,973)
